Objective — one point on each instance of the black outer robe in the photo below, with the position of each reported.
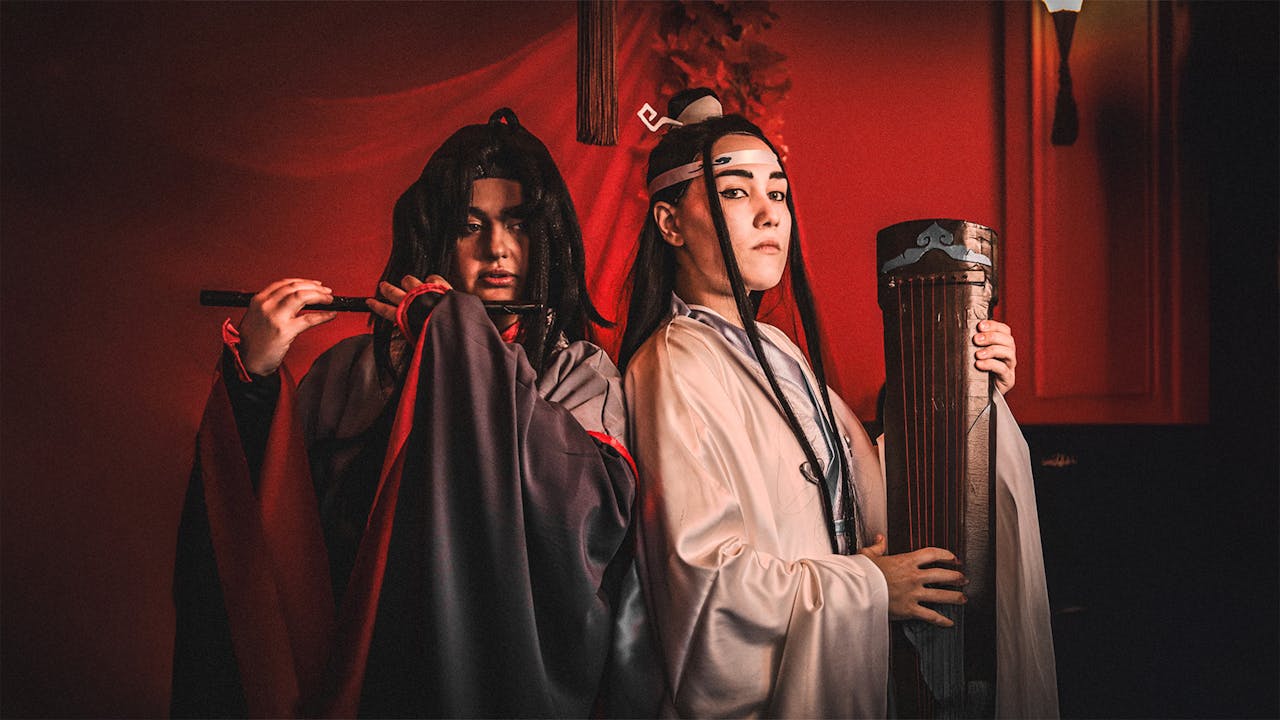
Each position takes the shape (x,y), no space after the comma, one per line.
(499,585)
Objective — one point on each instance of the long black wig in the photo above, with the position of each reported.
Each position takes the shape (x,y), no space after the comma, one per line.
(431,215)
(653,276)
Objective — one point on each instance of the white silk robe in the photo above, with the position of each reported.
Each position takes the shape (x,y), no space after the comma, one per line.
(754,615)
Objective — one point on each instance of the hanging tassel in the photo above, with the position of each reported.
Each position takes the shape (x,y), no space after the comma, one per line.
(597,84)
(1066,120)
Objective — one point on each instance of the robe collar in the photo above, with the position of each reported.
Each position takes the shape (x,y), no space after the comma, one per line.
(791,375)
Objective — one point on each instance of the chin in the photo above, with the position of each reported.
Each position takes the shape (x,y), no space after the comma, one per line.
(760,282)
(498,295)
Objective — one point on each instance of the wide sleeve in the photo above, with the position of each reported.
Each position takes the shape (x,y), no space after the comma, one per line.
(1027,685)
(584,381)
(251,585)
(489,569)
(744,630)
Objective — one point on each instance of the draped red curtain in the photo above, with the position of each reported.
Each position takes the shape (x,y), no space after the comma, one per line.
(327,140)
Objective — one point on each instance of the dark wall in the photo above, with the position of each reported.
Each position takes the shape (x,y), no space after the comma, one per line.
(1161,542)
(1162,573)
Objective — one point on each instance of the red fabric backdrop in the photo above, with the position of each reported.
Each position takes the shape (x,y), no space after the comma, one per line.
(154,149)
(326,141)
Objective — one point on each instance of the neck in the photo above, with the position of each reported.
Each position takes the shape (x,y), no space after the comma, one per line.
(697,293)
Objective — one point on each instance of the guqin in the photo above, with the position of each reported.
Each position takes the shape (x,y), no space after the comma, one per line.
(937,281)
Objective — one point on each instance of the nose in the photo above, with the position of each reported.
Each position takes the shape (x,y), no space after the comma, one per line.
(768,211)
(498,241)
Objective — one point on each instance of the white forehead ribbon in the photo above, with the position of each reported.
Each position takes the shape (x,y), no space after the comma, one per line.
(692,170)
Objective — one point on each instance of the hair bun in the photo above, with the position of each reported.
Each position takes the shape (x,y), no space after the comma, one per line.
(506,115)
(694,105)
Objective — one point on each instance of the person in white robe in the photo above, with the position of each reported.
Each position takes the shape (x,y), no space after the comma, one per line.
(762,532)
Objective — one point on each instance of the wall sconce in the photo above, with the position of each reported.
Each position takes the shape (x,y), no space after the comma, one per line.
(1066,121)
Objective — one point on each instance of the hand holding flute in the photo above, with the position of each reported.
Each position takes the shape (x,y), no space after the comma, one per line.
(393,294)
(287,308)
(275,318)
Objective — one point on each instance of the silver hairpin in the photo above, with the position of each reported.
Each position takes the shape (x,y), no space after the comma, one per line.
(647,114)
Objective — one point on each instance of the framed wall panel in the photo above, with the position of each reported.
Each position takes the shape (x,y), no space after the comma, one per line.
(1101,261)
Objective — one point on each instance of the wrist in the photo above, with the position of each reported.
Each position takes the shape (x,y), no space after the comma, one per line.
(416,306)
(246,366)
(231,341)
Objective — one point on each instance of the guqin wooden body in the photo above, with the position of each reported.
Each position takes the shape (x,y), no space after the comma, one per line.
(937,281)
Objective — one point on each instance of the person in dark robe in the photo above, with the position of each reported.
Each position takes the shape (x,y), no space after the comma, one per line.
(436,520)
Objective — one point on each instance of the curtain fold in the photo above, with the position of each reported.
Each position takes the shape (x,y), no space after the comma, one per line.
(325,140)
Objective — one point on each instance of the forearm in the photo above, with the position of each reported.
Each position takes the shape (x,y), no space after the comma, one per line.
(254,404)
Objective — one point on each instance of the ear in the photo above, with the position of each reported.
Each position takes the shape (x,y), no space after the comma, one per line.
(664,214)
